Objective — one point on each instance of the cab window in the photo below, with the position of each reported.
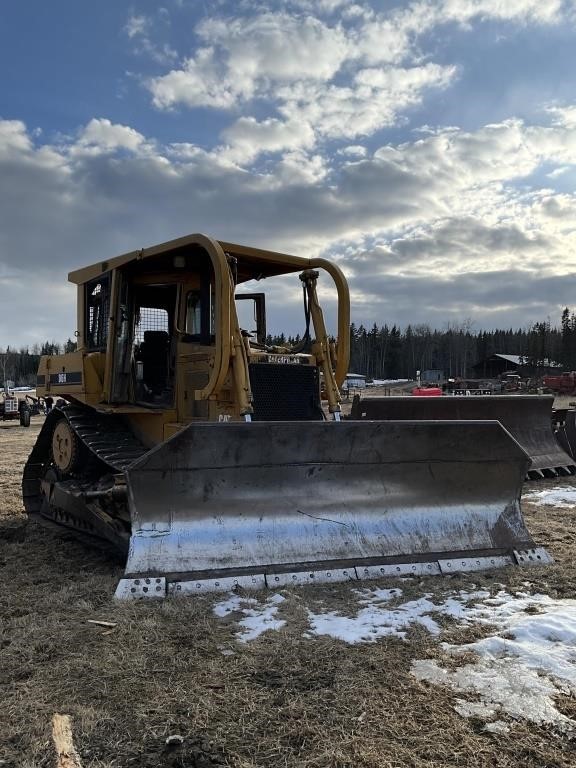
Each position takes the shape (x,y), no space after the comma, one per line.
(97,313)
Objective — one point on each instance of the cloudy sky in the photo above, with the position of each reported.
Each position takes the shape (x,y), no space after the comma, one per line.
(428,147)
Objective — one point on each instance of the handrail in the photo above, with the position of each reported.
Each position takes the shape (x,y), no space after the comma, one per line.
(223,340)
(343,346)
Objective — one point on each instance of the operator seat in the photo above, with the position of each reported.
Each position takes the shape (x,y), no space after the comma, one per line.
(154,352)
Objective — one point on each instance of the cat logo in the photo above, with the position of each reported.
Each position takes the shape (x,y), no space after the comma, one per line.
(283,360)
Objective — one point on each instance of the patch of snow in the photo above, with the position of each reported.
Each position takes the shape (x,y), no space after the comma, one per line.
(370,624)
(258,617)
(377,595)
(457,607)
(530,659)
(498,726)
(504,686)
(553,497)
(473,709)
(232,605)
(377,619)
(537,629)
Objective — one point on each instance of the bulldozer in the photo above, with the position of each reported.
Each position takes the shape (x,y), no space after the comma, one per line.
(211,459)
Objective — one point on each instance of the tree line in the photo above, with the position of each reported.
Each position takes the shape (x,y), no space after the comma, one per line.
(392,353)
(384,352)
(20,365)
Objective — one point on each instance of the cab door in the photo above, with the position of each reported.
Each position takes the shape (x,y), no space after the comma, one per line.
(196,345)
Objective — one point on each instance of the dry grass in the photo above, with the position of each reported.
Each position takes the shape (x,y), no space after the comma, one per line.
(282,700)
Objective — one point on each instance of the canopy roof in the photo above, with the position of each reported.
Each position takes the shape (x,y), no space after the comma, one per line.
(253,263)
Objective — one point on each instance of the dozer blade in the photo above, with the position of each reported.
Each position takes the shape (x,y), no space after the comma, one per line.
(528,418)
(566,434)
(273,503)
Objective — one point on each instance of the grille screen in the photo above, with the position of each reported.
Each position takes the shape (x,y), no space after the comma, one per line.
(150,319)
(98,310)
(285,392)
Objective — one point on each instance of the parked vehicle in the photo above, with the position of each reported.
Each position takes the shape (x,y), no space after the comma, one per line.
(13,408)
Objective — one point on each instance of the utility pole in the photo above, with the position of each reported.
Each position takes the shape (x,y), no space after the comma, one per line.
(3,363)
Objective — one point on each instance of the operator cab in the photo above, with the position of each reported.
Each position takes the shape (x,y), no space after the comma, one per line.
(176,328)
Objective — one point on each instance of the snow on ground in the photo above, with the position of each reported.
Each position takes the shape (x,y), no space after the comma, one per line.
(504,685)
(258,617)
(553,497)
(518,669)
(376,619)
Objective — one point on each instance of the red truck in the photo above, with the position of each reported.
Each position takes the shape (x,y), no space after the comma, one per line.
(564,383)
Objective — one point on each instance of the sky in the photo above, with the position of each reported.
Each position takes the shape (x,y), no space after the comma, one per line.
(429,148)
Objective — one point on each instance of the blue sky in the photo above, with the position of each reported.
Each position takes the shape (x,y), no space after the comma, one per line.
(428,147)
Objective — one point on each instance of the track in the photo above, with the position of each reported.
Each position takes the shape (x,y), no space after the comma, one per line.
(93,501)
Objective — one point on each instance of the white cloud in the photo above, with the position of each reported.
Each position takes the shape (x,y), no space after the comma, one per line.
(252,52)
(451,222)
(374,100)
(297,168)
(13,137)
(504,151)
(137,25)
(344,70)
(394,36)
(561,171)
(292,62)
(200,83)
(247,137)
(318,6)
(101,134)
(140,29)
(353,150)
(243,57)
(278,47)
(463,11)
(564,116)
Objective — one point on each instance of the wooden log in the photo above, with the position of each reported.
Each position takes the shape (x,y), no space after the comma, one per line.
(67,756)
(101,623)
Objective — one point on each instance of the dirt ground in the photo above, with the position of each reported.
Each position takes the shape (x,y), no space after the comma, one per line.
(281,700)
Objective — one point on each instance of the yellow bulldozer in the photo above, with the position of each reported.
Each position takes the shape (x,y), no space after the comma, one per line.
(211,459)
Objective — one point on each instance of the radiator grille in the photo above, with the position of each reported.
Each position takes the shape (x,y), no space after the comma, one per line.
(285,392)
